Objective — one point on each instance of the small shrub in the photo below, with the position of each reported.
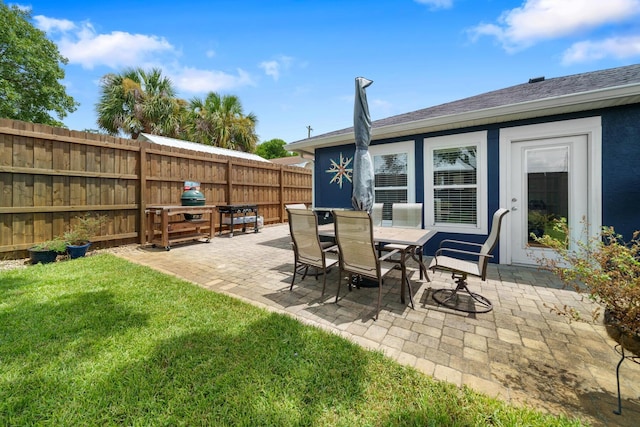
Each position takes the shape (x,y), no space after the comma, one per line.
(57,245)
(85,228)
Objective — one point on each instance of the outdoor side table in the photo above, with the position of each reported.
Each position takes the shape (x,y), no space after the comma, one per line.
(178,231)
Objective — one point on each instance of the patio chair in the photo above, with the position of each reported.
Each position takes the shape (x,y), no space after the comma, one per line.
(358,256)
(407,215)
(296,206)
(459,258)
(324,243)
(307,248)
(376,214)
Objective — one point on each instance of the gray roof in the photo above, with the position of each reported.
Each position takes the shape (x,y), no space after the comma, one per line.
(527,95)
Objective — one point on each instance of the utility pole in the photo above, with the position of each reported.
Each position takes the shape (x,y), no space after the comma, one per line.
(309,129)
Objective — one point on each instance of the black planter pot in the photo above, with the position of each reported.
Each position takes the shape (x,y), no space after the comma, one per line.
(77,251)
(42,256)
(628,341)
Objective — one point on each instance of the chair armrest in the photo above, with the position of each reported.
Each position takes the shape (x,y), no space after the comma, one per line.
(333,248)
(460,242)
(393,252)
(460,251)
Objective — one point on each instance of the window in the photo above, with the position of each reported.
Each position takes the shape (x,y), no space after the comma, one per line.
(455,187)
(393,166)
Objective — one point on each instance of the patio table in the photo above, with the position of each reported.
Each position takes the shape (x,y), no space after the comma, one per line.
(412,237)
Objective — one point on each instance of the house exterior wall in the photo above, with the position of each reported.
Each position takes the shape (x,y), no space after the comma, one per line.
(326,193)
(620,170)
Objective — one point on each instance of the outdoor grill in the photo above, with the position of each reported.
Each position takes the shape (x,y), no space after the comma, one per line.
(192,197)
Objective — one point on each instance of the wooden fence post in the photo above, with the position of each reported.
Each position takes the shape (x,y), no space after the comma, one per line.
(229,182)
(142,202)
(281,197)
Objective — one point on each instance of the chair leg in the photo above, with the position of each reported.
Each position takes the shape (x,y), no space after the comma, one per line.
(379,297)
(420,261)
(306,270)
(410,292)
(293,279)
(339,282)
(324,281)
(421,266)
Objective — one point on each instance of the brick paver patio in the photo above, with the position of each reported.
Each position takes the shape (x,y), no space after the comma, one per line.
(519,352)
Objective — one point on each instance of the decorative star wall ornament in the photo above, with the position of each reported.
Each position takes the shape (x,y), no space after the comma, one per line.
(340,170)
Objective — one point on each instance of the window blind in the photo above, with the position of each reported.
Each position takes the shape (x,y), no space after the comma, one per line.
(455,185)
(391,180)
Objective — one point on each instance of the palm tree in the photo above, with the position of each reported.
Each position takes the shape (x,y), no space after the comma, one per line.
(138,101)
(219,120)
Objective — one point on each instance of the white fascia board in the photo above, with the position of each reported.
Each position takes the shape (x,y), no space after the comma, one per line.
(545,107)
(602,98)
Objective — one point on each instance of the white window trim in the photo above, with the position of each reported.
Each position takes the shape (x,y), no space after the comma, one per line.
(407,147)
(478,139)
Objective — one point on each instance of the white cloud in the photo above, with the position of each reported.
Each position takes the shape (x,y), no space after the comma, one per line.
(52,25)
(83,46)
(193,80)
(538,20)
(616,47)
(274,67)
(271,68)
(381,103)
(437,4)
(210,53)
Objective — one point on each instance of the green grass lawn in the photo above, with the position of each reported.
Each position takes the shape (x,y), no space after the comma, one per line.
(101,341)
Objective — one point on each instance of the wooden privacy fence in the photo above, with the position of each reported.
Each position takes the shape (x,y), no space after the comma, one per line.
(49,176)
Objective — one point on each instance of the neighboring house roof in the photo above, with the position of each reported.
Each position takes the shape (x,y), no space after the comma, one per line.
(537,98)
(188,145)
(291,161)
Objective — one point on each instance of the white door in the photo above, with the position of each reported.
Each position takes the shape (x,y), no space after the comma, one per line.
(549,179)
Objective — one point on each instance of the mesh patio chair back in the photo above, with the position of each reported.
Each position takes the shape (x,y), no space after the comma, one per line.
(491,242)
(304,234)
(376,214)
(354,235)
(407,215)
(308,251)
(295,206)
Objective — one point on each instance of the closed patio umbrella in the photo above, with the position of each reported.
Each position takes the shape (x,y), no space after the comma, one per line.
(363,175)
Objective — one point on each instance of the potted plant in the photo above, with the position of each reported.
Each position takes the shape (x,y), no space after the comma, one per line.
(607,269)
(47,251)
(80,233)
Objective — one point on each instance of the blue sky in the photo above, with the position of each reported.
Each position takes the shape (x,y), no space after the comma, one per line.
(293,63)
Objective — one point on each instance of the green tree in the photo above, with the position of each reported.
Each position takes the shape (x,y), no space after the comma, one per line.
(220,121)
(30,72)
(273,149)
(137,101)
